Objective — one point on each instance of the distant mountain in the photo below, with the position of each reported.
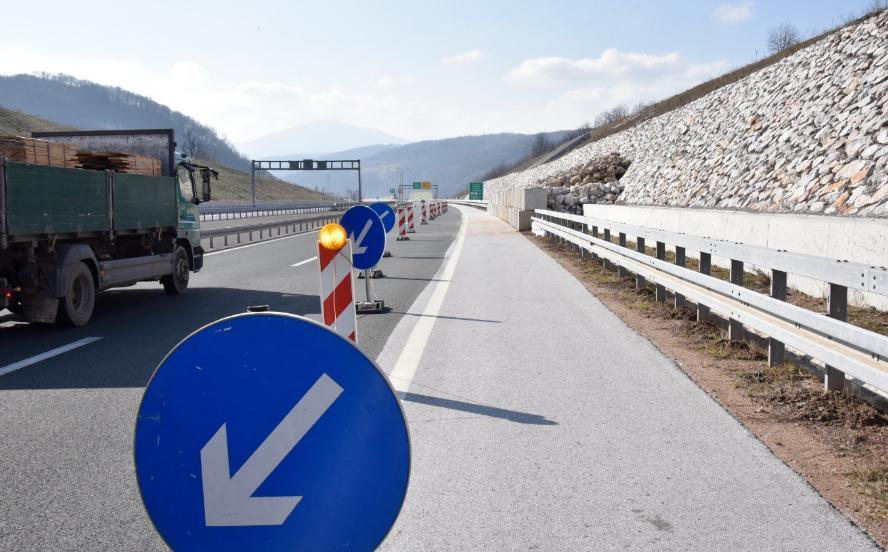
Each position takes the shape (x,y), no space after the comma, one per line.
(87,105)
(318,137)
(450,163)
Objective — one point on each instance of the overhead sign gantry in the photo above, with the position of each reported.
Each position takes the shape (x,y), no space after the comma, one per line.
(304,165)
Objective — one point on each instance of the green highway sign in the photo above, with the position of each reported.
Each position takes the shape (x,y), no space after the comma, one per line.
(476,190)
(417,185)
(392,191)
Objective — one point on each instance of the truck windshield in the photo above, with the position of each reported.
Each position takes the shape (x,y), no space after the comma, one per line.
(185,183)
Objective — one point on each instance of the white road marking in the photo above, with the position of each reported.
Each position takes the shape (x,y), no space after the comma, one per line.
(405,368)
(48,354)
(263,242)
(306,261)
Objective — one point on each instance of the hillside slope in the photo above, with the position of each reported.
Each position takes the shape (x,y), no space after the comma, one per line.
(85,104)
(21,124)
(807,134)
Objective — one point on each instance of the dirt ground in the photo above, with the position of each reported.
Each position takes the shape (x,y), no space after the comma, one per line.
(837,442)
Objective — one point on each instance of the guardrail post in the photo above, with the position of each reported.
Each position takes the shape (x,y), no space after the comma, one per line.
(680,260)
(735,328)
(211,242)
(639,246)
(225,240)
(705,268)
(251,235)
(594,235)
(776,349)
(621,239)
(661,290)
(585,230)
(834,379)
(604,260)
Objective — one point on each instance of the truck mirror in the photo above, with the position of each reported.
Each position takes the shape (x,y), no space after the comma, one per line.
(205,185)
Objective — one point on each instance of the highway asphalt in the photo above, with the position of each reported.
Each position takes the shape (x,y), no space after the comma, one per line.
(538,420)
(67,479)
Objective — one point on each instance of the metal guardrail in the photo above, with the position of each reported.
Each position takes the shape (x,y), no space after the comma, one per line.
(481,203)
(842,347)
(223,210)
(238,235)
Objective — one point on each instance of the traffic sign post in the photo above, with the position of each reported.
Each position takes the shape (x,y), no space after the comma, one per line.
(337,284)
(402,224)
(367,233)
(269,431)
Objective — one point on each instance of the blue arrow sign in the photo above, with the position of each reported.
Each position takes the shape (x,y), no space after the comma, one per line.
(367,234)
(269,431)
(386,215)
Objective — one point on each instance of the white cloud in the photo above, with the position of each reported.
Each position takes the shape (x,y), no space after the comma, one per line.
(730,14)
(613,65)
(589,86)
(471,56)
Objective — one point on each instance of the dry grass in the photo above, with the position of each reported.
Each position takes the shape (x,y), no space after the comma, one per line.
(873,481)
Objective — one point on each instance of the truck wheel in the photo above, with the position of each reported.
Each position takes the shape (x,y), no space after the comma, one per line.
(177,282)
(76,307)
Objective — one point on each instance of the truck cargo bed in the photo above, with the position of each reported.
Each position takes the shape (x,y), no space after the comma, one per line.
(39,201)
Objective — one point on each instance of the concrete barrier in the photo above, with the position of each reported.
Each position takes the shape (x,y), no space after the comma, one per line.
(516,206)
(855,239)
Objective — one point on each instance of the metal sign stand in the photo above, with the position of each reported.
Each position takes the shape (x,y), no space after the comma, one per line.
(370,306)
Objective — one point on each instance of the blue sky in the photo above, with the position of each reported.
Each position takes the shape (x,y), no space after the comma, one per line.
(414,69)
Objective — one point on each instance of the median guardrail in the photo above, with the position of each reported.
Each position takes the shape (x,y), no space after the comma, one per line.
(225,210)
(842,347)
(239,235)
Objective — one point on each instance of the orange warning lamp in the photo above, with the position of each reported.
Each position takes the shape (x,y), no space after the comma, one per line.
(332,236)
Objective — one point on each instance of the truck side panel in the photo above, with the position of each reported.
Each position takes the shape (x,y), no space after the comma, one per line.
(144,202)
(50,200)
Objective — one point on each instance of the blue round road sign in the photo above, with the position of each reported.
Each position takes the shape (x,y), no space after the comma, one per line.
(367,234)
(268,431)
(386,215)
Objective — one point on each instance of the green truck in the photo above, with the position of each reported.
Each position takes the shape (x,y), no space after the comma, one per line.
(66,234)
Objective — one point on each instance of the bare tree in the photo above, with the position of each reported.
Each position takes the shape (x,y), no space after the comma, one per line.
(782,37)
(614,115)
(192,143)
(540,145)
(878,5)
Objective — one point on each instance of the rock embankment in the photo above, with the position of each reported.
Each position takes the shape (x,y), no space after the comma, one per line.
(807,134)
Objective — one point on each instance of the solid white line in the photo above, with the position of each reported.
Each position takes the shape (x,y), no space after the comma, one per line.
(306,261)
(405,368)
(263,242)
(48,354)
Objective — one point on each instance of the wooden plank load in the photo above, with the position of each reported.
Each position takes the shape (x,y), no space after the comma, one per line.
(38,152)
(119,162)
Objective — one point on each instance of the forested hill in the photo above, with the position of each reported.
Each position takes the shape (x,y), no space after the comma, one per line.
(84,104)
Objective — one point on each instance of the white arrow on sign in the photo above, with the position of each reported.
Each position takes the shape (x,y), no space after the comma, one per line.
(229,500)
(358,245)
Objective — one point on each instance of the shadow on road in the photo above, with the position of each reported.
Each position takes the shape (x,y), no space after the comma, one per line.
(464,319)
(138,328)
(475,408)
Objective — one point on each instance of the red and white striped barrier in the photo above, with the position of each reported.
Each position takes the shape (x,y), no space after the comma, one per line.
(402,224)
(337,284)
(425,214)
(410,228)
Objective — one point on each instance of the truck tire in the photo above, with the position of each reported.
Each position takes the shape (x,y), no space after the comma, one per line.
(177,282)
(76,307)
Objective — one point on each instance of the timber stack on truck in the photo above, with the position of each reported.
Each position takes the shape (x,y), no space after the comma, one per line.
(67,233)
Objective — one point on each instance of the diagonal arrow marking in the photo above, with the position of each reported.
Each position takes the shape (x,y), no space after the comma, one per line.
(229,500)
(359,247)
